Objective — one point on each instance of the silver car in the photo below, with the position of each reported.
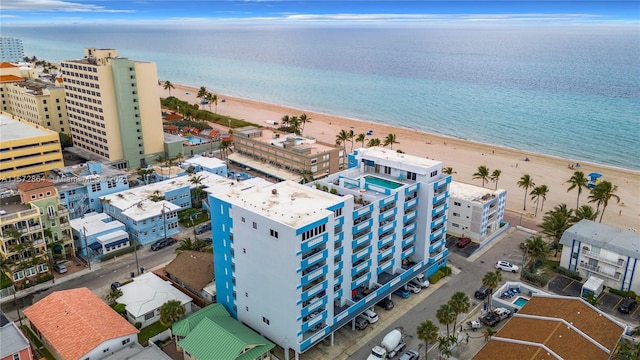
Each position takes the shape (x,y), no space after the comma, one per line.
(60,268)
(410,355)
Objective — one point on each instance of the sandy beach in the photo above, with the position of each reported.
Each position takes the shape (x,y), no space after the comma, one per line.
(463,156)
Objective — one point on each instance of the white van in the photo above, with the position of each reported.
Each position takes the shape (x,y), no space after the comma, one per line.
(369,315)
(422,281)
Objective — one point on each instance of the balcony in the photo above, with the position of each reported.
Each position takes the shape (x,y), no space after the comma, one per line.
(615,262)
(388,214)
(408,229)
(598,270)
(385,253)
(388,200)
(411,203)
(440,183)
(438,198)
(410,216)
(439,210)
(387,227)
(361,254)
(386,240)
(362,240)
(408,241)
(410,251)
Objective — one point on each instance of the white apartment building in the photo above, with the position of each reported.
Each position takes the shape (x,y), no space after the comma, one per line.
(114,107)
(603,251)
(297,262)
(475,212)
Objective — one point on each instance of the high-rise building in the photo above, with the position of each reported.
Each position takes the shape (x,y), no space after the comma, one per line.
(114,107)
(39,102)
(11,49)
(297,262)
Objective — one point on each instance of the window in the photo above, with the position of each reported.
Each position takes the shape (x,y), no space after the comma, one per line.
(337,212)
(18,275)
(105,350)
(255,225)
(16,356)
(265,320)
(96,187)
(43,268)
(274,233)
(126,341)
(456,214)
(411,175)
(148,315)
(434,173)
(456,203)
(243,219)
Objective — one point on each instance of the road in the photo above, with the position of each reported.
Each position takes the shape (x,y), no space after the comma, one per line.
(468,281)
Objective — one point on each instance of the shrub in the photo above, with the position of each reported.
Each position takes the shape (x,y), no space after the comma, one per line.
(436,276)
(325,188)
(333,191)
(120,252)
(446,270)
(618,292)
(138,325)
(538,279)
(318,186)
(119,308)
(572,274)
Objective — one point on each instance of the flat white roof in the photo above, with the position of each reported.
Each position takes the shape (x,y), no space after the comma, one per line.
(11,129)
(148,292)
(116,235)
(149,209)
(207,162)
(400,158)
(94,224)
(286,202)
(470,192)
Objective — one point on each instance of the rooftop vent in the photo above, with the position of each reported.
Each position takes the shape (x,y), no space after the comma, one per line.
(274,191)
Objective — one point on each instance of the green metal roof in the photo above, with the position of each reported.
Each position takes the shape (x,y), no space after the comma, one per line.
(186,325)
(212,333)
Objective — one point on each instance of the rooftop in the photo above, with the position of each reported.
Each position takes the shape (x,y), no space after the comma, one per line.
(472,193)
(194,268)
(284,140)
(286,202)
(624,242)
(33,185)
(398,160)
(14,129)
(10,78)
(95,223)
(76,321)
(36,86)
(148,292)
(206,162)
(170,138)
(12,338)
(138,352)
(12,205)
(568,327)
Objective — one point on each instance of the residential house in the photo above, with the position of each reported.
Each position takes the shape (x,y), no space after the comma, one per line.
(100,234)
(329,250)
(81,186)
(475,212)
(146,294)
(15,345)
(604,251)
(76,324)
(193,270)
(565,328)
(211,333)
(209,164)
(54,217)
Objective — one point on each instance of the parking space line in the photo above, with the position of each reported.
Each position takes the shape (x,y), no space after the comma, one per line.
(617,304)
(634,312)
(566,287)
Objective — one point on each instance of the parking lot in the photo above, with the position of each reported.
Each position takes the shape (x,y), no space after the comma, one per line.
(465,251)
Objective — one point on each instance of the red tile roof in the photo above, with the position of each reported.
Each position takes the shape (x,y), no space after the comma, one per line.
(5,64)
(7,78)
(173,116)
(32,185)
(76,321)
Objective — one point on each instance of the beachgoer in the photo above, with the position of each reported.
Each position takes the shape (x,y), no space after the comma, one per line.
(468,338)
(493,152)
(516,165)
(620,212)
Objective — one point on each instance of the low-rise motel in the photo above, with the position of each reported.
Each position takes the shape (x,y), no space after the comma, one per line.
(328,250)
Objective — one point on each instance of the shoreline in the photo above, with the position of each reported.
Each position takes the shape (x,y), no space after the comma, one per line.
(463,155)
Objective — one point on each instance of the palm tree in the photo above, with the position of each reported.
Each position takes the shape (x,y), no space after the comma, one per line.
(526,182)
(536,248)
(225,145)
(602,193)
(202,93)
(482,173)
(460,304)
(193,245)
(390,140)
(197,181)
(579,181)
(351,135)
(285,120)
(449,171)
(428,332)
(554,224)
(539,192)
(628,350)
(156,196)
(495,176)
(170,312)
(444,346)
(446,316)
(168,86)
(584,212)
(374,142)
(341,139)
(212,99)
(304,119)
(491,280)
(361,138)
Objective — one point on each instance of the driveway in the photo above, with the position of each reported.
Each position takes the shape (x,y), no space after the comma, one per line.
(465,252)
(563,285)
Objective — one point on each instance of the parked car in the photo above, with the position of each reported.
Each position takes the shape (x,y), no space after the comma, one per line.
(369,315)
(202,228)
(462,242)
(60,268)
(361,323)
(207,240)
(627,305)
(422,281)
(482,293)
(402,293)
(115,286)
(413,288)
(386,304)
(410,355)
(162,243)
(507,266)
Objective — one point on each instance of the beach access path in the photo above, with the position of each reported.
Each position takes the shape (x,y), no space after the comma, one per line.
(463,156)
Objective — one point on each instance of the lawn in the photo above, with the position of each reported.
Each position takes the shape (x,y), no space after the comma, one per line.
(192,217)
(37,343)
(149,331)
(5,282)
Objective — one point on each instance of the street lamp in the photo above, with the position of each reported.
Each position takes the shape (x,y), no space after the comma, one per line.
(524,259)
(164,220)
(86,247)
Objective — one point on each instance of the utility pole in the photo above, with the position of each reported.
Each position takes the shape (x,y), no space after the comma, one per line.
(86,247)
(164,220)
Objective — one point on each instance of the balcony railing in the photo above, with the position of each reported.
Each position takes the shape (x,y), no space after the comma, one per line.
(616,262)
(598,270)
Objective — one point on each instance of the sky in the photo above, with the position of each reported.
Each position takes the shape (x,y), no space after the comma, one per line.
(48,12)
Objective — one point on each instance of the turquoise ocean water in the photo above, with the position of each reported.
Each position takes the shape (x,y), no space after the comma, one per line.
(571,92)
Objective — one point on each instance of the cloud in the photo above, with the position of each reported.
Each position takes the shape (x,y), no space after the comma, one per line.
(4,16)
(55,5)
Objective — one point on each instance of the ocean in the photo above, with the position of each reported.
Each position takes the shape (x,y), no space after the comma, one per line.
(571,92)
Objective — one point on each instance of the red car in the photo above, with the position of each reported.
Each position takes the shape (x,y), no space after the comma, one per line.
(462,242)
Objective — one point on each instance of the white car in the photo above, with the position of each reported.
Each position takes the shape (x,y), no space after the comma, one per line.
(507,266)
(413,288)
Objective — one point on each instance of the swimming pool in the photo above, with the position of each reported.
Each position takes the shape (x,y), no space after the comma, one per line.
(520,301)
(195,140)
(240,176)
(387,184)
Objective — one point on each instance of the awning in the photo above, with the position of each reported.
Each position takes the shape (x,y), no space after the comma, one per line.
(95,246)
(265,168)
(116,243)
